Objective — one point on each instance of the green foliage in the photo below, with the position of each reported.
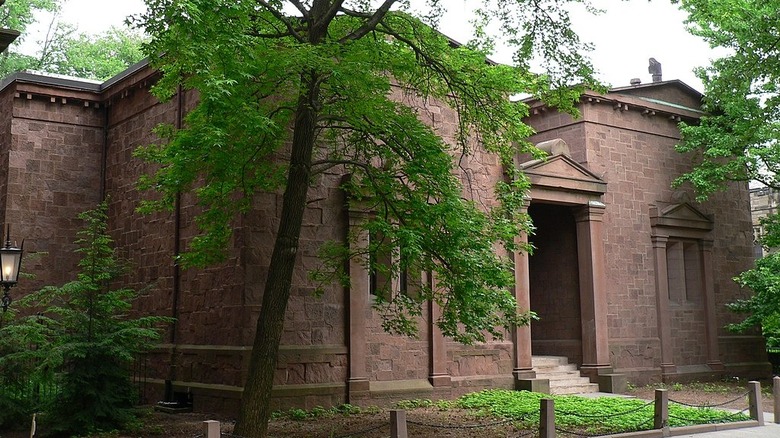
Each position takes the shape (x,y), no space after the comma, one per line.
(80,342)
(738,137)
(345,409)
(444,405)
(88,56)
(64,51)
(413,404)
(251,66)
(599,416)
(762,308)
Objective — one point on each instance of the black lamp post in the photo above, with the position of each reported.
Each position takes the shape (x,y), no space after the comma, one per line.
(10,263)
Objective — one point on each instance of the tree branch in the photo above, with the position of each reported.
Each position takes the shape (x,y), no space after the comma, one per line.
(278,14)
(371,23)
(301,8)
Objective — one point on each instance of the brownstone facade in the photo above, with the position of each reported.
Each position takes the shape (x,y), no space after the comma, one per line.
(629,275)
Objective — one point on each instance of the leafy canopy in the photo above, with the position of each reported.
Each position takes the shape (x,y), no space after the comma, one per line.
(64,50)
(82,55)
(739,137)
(368,71)
(301,93)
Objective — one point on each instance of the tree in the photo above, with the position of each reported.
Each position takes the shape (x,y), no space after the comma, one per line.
(291,89)
(738,139)
(80,341)
(64,50)
(762,309)
(88,56)
(19,15)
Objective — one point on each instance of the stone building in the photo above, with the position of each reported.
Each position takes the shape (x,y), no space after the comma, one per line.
(629,277)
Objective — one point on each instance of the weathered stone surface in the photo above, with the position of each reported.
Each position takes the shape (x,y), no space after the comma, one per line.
(61,157)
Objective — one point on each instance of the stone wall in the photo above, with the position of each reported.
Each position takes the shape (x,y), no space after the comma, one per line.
(74,145)
(632,150)
(53,174)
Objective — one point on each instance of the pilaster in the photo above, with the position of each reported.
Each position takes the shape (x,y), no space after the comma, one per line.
(357,383)
(593,289)
(662,304)
(523,367)
(710,319)
(439,375)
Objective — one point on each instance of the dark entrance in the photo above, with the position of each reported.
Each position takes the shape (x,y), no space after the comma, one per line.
(554,283)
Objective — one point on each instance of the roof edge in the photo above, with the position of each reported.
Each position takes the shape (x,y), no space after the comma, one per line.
(129,71)
(71,82)
(50,79)
(658,84)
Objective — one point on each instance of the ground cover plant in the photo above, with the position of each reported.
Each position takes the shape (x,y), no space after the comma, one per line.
(346,420)
(593,416)
(486,410)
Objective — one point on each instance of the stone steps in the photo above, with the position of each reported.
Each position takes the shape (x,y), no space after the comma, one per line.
(564,377)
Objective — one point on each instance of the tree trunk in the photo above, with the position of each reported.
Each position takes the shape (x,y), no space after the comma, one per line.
(255,402)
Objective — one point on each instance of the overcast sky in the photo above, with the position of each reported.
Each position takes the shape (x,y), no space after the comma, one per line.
(625,36)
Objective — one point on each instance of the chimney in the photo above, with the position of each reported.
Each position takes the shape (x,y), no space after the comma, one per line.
(655,70)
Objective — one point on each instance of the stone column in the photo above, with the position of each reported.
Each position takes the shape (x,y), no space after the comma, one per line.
(710,318)
(357,383)
(523,368)
(662,304)
(438,344)
(593,290)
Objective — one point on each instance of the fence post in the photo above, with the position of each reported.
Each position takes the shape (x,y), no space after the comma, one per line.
(776,395)
(546,418)
(661,411)
(211,429)
(754,395)
(398,423)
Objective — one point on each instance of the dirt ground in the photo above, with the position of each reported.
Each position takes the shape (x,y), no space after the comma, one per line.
(374,423)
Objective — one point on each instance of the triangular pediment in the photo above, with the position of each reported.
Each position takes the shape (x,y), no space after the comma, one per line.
(682,215)
(563,172)
(683,211)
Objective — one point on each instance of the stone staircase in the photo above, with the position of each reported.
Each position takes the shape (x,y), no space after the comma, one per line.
(564,377)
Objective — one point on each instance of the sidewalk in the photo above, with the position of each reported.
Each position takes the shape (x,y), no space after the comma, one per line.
(770,430)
